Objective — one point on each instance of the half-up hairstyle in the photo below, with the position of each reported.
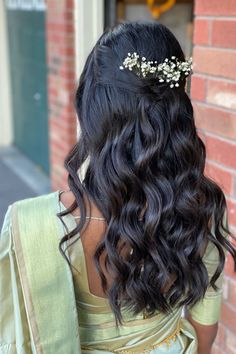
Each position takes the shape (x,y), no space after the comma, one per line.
(145,173)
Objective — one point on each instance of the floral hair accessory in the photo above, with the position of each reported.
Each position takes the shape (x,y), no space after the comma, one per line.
(170,71)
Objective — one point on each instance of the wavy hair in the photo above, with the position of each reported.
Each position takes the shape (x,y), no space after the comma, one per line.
(146,175)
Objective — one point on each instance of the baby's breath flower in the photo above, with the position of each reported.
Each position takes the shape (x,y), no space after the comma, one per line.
(169,71)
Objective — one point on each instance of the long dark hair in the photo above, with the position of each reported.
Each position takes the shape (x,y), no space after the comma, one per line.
(145,173)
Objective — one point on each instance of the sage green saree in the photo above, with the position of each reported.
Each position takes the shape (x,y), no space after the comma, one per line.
(48,309)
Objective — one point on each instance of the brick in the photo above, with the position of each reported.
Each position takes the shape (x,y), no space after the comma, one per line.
(220,339)
(52,92)
(67,73)
(58,153)
(61,84)
(198,88)
(231,341)
(55,37)
(69,4)
(232,211)
(67,43)
(229,268)
(63,143)
(59,180)
(66,131)
(217,350)
(58,170)
(215,7)
(224,33)
(232,293)
(221,151)
(61,27)
(229,351)
(216,62)
(233,232)
(202,135)
(214,120)
(228,316)
(222,93)
(67,51)
(225,288)
(201,31)
(234,186)
(57,159)
(60,16)
(55,4)
(223,178)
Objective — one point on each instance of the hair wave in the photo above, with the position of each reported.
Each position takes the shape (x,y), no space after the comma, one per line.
(146,175)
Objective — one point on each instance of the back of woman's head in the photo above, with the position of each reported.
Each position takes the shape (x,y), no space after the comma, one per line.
(145,173)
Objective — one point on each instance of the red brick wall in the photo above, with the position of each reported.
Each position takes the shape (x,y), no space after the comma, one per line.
(214,95)
(61,85)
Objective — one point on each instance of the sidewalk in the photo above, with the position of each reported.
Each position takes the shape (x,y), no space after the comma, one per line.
(19,179)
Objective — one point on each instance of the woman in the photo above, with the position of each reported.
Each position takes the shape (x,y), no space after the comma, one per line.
(143,232)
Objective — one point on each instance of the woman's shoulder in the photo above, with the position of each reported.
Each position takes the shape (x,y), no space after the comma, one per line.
(28,211)
(35,207)
(37,201)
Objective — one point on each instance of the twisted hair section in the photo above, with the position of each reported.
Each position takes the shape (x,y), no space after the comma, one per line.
(146,175)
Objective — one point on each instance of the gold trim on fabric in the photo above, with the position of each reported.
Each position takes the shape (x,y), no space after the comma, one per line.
(167,341)
(29,306)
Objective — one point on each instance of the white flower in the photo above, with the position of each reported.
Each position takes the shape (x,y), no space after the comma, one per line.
(169,71)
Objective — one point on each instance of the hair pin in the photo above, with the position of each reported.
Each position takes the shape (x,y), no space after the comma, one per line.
(170,71)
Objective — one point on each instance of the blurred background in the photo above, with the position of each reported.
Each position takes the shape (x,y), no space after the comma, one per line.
(43,46)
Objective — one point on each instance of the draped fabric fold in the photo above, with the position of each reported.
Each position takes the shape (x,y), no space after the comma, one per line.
(45,278)
(47,308)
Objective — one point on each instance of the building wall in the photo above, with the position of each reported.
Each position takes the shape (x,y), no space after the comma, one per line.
(214,95)
(60,29)
(72,29)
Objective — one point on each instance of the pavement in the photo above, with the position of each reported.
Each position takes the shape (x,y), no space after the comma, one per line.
(19,179)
